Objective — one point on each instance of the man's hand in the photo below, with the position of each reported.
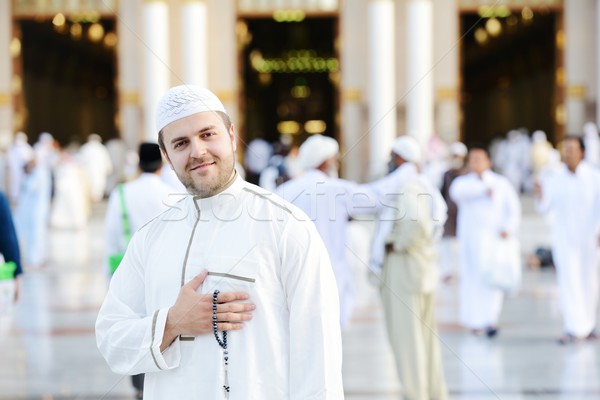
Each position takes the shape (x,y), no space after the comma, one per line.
(192,312)
(17,289)
(503,234)
(537,190)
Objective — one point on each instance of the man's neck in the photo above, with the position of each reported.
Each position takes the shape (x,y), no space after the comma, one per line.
(572,168)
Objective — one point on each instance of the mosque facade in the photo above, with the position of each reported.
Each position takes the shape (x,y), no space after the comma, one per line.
(430,68)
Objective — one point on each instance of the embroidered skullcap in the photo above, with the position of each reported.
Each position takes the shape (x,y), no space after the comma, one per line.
(408,148)
(316,150)
(458,149)
(183,101)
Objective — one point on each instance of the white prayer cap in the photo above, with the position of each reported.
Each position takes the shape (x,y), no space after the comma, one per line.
(185,100)
(590,129)
(539,136)
(458,149)
(316,150)
(21,137)
(408,148)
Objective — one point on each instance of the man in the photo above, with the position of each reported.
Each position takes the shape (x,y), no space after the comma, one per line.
(19,154)
(98,166)
(449,245)
(488,209)
(330,203)
(402,165)
(410,276)
(230,260)
(130,206)
(572,198)
(9,250)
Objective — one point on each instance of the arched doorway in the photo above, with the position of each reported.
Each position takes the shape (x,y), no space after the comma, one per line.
(290,73)
(509,70)
(68,75)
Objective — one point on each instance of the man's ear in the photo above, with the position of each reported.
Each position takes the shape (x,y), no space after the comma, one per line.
(166,157)
(232,137)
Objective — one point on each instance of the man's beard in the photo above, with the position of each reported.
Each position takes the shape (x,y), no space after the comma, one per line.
(205,187)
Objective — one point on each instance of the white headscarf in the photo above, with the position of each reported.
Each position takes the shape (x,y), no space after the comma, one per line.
(408,148)
(316,150)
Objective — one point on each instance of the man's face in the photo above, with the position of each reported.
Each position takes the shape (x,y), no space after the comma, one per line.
(572,153)
(201,151)
(479,162)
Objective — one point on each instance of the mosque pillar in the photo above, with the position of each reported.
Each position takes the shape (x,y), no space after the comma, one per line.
(222,50)
(194,42)
(419,59)
(354,127)
(128,24)
(445,73)
(575,64)
(156,61)
(382,84)
(6,59)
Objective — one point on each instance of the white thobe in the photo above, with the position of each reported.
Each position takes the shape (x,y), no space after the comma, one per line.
(249,240)
(71,206)
(32,215)
(98,166)
(144,198)
(330,203)
(573,200)
(385,190)
(19,154)
(481,219)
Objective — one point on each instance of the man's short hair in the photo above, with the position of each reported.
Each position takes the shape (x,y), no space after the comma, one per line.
(578,139)
(150,157)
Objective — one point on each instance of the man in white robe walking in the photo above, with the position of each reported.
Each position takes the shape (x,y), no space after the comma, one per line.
(571,197)
(330,203)
(488,209)
(230,293)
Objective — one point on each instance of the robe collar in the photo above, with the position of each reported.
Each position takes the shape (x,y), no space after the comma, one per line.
(227,196)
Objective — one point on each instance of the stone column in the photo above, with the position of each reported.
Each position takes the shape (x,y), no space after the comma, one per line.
(6,59)
(223,62)
(156,61)
(445,73)
(575,64)
(194,42)
(354,136)
(419,59)
(382,96)
(129,53)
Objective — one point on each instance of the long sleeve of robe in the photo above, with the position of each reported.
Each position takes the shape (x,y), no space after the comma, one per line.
(249,240)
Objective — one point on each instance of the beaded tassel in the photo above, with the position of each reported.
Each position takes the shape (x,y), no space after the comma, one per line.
(223,344)
(226,373)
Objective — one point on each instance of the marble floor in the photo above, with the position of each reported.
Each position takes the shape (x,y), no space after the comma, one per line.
(48,349)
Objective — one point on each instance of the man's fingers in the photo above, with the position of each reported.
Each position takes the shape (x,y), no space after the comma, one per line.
(235,307)
(233,317)
(229,326)
(226,297)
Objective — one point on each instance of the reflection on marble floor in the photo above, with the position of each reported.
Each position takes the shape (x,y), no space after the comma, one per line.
(48,347)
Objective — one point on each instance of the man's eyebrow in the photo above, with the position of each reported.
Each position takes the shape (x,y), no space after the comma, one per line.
(206,128)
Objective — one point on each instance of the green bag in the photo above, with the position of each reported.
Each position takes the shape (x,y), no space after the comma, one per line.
(7,271)
(115,259)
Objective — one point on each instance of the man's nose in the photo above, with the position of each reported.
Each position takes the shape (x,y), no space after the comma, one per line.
(198,147)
